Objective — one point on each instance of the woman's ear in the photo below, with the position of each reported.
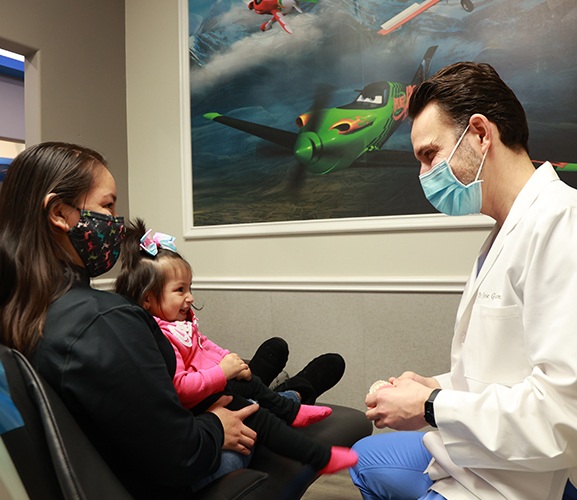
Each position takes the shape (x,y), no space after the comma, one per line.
(58,212)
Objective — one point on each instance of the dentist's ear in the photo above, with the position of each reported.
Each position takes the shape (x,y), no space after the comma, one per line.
(483,130)
(58,212)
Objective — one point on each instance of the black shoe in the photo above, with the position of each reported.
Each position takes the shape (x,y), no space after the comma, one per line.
(300,385)
(317,377)
(269,359)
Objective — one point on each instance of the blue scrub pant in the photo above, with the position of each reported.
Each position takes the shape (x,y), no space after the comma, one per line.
(391,467)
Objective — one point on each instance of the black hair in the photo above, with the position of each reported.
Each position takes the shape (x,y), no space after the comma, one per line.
(34,269)
(465,88)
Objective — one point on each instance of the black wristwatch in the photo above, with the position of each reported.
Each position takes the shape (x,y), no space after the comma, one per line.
(430,409)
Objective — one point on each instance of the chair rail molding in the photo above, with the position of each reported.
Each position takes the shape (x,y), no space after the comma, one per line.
(425,284)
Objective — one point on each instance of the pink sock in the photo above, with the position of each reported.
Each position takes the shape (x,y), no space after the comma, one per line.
(341,458)
(309,414)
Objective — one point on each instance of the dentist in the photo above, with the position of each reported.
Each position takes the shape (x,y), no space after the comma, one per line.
(504,417)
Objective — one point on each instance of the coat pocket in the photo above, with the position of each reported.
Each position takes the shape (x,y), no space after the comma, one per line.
(494,348)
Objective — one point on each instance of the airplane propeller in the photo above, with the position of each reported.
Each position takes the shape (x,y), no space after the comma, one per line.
(308,142)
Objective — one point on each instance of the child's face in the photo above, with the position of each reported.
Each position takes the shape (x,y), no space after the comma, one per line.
(176,296)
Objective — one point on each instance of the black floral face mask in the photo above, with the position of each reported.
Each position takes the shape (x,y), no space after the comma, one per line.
(97,238)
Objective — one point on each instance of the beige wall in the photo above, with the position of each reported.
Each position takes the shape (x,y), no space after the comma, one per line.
(75,88)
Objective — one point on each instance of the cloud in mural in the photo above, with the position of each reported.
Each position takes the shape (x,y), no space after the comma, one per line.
(256,50)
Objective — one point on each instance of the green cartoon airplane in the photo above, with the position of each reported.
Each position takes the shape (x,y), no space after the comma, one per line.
(331,139)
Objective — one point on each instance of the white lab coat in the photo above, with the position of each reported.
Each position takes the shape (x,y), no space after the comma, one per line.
(507,419)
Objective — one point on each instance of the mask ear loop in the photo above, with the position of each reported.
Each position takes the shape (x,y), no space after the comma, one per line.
(481,166)
(458,142)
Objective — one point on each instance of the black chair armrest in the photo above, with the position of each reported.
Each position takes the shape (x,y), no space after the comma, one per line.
(236,485)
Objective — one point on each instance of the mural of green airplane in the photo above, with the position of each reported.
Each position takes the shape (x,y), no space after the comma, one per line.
(332,139)
(560,166)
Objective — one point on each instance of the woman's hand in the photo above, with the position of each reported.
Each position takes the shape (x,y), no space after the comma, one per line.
(237,436)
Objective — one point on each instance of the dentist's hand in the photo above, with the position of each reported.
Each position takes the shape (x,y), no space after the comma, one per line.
(400,405)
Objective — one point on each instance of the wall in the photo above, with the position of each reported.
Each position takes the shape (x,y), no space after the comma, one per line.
(385,299)
(75,87)
(12,106)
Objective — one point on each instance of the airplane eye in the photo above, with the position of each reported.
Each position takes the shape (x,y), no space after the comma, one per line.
(302,120)
(350,126)
(342,127)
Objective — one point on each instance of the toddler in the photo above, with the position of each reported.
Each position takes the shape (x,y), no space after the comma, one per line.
(155,276)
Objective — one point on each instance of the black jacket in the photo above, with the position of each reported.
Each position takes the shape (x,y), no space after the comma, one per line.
(113,368)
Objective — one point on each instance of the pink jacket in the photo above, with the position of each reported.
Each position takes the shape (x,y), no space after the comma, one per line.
(198,374)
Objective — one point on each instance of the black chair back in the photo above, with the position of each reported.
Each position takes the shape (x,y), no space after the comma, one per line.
(51,454)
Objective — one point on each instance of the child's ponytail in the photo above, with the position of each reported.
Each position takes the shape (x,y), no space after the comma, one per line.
(131,255)
(137,274)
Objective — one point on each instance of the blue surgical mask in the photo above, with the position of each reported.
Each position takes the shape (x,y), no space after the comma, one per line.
(447,193)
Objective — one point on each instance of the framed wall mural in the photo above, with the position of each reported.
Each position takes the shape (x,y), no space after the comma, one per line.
(298,109)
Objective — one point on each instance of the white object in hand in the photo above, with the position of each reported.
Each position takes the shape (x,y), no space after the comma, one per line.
(379,384)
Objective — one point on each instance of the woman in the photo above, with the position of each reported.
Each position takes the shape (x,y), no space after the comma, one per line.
(104,356)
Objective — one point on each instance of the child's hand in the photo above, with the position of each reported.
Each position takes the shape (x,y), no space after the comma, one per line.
(244,375)
(234,367)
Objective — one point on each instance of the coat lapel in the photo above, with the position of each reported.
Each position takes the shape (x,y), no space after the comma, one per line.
(495,242)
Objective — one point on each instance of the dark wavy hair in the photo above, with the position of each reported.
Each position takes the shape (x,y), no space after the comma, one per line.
(465,88)
(141,273)
(33,268)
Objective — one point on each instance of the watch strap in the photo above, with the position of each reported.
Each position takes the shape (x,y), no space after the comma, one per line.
(430,408)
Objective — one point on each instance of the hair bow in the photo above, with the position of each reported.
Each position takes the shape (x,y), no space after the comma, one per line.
(151,243)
